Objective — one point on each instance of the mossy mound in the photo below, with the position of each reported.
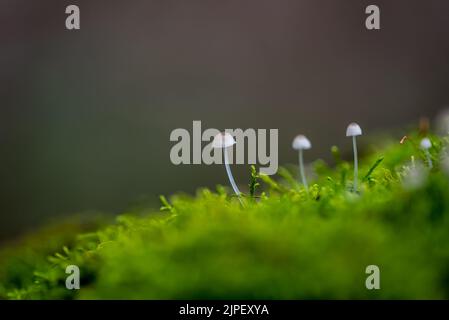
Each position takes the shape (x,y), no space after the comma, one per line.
(284,243)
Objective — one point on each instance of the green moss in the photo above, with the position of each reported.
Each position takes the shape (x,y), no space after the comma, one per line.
(284,243)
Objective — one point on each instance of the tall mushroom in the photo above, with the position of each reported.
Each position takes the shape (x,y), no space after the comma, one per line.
(353,131)
(301,143)
(223,140)
(425,145)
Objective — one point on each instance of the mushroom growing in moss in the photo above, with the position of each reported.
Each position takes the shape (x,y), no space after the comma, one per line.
(425,145)
(353,131)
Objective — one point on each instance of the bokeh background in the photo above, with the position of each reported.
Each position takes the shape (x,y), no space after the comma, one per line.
(86,115)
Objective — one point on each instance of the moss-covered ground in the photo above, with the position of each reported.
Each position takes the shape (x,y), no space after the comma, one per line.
(284,243)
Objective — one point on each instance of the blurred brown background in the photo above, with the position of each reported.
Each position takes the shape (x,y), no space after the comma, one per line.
(86,115)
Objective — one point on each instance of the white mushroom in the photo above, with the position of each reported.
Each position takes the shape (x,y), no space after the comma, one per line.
(223,140)
(353,131)
(425,145)
(301,143)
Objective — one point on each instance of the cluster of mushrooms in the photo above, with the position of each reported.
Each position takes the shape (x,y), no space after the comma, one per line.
(224,140)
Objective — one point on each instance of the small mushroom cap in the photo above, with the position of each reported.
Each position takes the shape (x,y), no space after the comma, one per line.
(301,143)
(425,143)
(353,130)
(223,140)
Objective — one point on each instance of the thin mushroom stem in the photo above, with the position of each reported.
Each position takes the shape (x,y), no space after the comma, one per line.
(356,162)
(429,160)
(301,170)
(231,178)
